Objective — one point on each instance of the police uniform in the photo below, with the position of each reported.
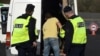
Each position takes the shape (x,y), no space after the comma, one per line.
(75,36)
(24,35)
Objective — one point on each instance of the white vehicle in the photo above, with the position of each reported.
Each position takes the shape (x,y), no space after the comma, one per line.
(16,8)
(3,21)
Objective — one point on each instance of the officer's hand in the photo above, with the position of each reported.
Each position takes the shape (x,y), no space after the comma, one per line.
(34,44)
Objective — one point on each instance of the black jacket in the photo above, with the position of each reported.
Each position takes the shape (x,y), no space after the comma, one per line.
(69,31)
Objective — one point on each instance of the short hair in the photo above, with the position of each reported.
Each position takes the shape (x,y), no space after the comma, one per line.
(30,7)
(67,9)
(48,15)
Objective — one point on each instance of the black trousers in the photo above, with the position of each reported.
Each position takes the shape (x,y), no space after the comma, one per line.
(26,51)
(76,50)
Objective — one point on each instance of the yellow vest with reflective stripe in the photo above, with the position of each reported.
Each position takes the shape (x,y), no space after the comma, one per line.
(20,32)
(79,35)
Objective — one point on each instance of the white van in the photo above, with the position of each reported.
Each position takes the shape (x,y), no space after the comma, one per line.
(17,7)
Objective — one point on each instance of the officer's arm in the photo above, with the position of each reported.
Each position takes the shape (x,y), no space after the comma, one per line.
(32,24)
(59,25)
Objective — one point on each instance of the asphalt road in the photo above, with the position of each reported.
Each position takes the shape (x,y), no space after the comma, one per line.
(2,50)
(92,48)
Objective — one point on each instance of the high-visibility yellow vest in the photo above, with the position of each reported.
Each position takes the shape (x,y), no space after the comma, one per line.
(36,32)
(20,32)
(62,33)
(79,36)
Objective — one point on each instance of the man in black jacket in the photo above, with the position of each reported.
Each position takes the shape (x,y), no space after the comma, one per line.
(28,48)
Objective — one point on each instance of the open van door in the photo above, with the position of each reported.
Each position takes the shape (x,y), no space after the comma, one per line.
(3,26)
(3,21)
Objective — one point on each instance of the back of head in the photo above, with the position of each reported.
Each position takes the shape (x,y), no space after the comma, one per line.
(30,8)
(67,9)
(48,15)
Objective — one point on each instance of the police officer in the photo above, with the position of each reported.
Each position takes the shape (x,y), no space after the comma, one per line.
(75,34)
(23,36)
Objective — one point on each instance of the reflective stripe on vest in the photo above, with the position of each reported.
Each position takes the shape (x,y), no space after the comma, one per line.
(79,36)
(20,32)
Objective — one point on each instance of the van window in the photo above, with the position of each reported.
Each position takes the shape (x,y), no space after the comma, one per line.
(4,14)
